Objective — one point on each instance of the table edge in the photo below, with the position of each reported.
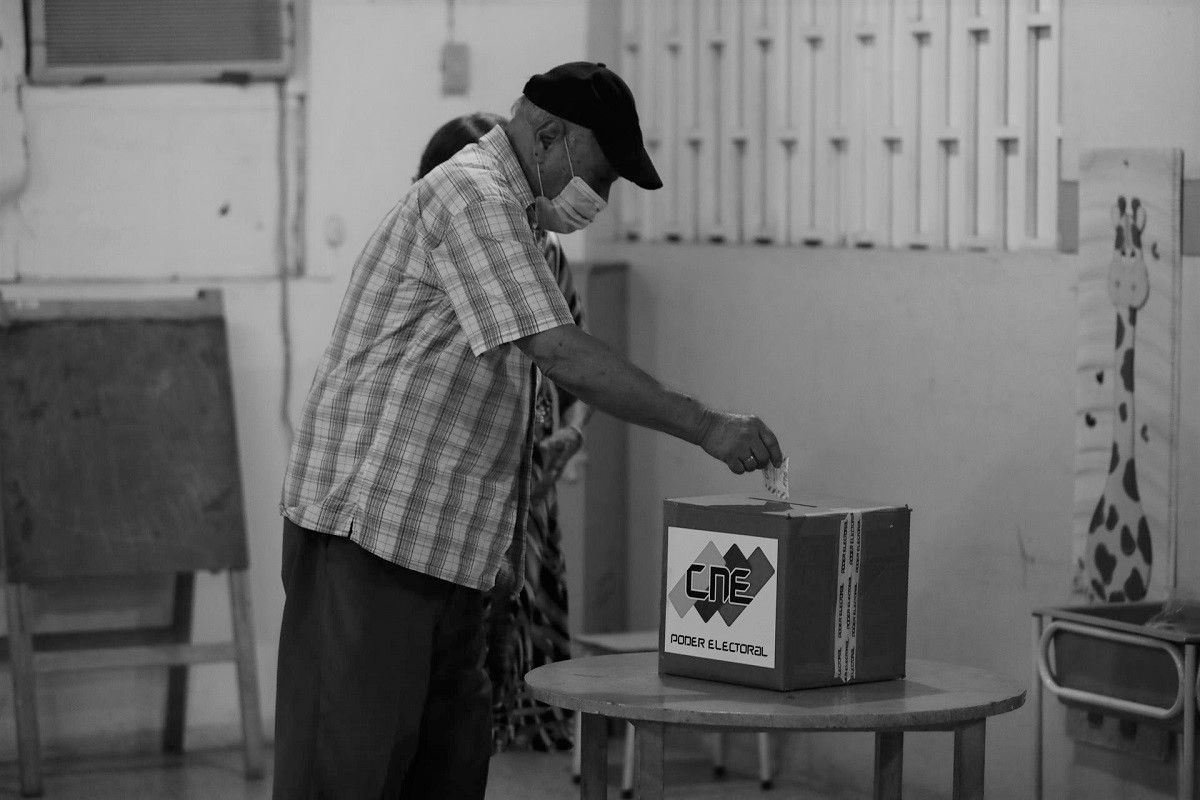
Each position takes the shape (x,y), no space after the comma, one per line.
(936,719)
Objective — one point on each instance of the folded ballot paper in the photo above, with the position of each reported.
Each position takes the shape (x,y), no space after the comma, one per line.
(776,480)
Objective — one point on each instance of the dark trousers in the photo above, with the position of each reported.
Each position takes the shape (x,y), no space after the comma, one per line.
(381,692)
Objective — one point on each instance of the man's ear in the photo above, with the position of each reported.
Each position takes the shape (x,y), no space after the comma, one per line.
(546,135)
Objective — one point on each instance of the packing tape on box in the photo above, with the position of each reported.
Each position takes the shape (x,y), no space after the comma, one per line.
(845,622)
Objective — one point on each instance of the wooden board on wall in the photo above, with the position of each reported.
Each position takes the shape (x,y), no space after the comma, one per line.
(1128,307)
(117,443)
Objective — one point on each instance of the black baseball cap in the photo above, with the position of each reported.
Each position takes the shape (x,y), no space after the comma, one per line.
(592,95)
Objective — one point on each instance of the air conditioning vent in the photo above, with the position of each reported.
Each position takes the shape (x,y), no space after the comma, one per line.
(93,41)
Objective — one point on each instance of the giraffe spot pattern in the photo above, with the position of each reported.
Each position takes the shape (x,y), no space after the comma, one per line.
(1120,332)
(1116,597)
(1105,563)
(1129,480)
(1113,518)
(1145,434)
(1123,411)
(1135,587)
(1116,459)
(1128,545)
(1133,316)
(1097,516)
(1127,370)
(1143,541)
(1098,590)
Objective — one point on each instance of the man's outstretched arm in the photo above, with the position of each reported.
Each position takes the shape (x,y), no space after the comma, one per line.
(592,371)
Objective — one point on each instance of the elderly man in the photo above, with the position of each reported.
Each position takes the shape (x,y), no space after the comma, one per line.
(407,485)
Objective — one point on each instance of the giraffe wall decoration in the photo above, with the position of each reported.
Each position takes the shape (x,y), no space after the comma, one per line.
(1127,378)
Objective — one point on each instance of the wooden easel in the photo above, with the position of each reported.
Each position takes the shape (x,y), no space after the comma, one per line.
(118,457)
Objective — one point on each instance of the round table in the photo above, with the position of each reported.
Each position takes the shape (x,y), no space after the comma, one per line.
(933,696)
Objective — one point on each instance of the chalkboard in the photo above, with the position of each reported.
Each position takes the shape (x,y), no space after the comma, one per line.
(118,453)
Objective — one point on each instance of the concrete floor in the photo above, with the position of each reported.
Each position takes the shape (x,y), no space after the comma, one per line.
(216,775)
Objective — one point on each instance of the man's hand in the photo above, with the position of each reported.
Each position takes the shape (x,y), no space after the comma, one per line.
(557,449)
(742,441)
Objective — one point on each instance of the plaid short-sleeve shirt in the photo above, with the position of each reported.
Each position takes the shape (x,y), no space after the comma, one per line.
(414,439)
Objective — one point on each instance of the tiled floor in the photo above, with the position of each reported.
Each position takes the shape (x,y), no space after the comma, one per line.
(216,775)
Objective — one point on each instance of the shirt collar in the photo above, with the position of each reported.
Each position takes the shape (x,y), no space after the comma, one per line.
(496,142)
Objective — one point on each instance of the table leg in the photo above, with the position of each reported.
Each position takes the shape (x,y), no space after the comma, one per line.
(650,744)
(175,723)
(1187,743)
(766,767)
(628,760)
(968,761)
(889,764)
(1037,710)
(24,678)
(593,757)
(576,760)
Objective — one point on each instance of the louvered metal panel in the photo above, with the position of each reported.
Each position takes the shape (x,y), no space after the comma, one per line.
(83,41)
(868,123)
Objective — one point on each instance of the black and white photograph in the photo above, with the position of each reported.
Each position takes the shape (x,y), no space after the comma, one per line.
(531,399)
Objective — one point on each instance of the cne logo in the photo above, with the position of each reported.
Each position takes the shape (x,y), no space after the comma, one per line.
(725,584)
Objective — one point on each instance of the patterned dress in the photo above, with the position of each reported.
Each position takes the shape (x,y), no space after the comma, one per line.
(530,629)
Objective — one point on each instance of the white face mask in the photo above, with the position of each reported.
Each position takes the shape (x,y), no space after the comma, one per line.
(573,209)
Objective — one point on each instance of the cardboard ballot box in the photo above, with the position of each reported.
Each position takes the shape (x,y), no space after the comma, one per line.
(784,595)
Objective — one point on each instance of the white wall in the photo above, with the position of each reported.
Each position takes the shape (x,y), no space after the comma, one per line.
(941,380)
(1129,70)
(127,183)
(370,110)
(148,182)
